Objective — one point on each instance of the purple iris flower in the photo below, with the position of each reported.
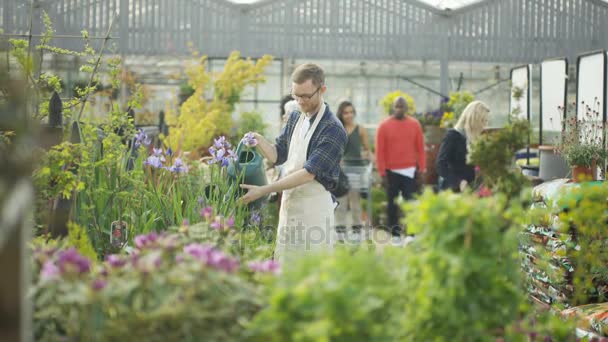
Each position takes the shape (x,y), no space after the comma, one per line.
(178,166)
(157,151)
(169,152)
(256,218)
(249,140)
(142,138)
(221,142)
(154,161)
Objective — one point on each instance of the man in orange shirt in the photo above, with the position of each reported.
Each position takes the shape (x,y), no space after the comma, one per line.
(399,154)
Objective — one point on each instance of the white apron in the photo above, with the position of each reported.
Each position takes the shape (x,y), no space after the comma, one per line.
(306,219)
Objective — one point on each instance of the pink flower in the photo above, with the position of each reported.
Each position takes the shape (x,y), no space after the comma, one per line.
(143,241)
(198,251)
(477,168)
(71,261)
(222,224)
(99,284)
(49,271)
(206,213)
(268,266)
(115,261)
(212,257)
(484,192)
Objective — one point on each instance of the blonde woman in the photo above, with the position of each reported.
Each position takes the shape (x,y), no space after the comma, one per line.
(451,161)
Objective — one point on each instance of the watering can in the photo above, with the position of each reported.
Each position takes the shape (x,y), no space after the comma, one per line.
(249,166)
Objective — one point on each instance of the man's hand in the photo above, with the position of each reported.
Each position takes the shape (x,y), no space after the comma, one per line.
(265,148)
(253,193)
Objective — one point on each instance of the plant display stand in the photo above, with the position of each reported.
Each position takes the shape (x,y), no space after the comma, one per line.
(547,250)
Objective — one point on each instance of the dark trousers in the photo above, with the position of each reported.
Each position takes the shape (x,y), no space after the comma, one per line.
(397,184)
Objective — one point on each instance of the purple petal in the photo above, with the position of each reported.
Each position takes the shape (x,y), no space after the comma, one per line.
(49,271)
(115,261)
(99,284)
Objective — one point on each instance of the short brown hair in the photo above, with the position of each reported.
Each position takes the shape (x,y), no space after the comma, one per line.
(307,72)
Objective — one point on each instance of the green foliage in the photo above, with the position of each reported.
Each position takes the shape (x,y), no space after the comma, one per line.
(494,153)
(79,239)
(250,122)
(186,90)
(19,51)
(340,297)
(462,271)
(54,177)
(545,326)
(161,293)
(586,218)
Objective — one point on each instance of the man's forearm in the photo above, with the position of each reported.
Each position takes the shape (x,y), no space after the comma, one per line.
(268,150)
(290,181)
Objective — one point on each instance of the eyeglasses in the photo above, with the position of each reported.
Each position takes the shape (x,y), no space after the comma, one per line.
(305,96)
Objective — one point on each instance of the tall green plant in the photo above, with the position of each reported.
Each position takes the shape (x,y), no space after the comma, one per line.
(494,154)
(250,122)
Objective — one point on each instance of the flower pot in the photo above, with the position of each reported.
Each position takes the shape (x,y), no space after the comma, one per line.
(584,174)
(552,165)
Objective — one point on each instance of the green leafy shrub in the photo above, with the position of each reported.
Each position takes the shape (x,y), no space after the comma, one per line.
(494,154)
(462,271)
(250,122)
(79,239)
(585,218)
(338,297)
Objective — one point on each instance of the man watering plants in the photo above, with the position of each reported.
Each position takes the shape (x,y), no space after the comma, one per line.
(309,148)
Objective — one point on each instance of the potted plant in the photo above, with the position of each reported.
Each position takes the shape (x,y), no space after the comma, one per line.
(582,141)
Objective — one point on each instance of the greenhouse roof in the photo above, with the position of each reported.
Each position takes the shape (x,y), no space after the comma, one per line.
(441,4)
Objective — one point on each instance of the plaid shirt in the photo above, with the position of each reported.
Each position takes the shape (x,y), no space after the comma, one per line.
(324,150)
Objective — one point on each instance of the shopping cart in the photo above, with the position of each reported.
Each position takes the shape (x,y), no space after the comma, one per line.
(360,179)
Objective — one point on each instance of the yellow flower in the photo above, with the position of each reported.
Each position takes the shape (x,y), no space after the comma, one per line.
(447,120)
(200,120)
(388,99)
